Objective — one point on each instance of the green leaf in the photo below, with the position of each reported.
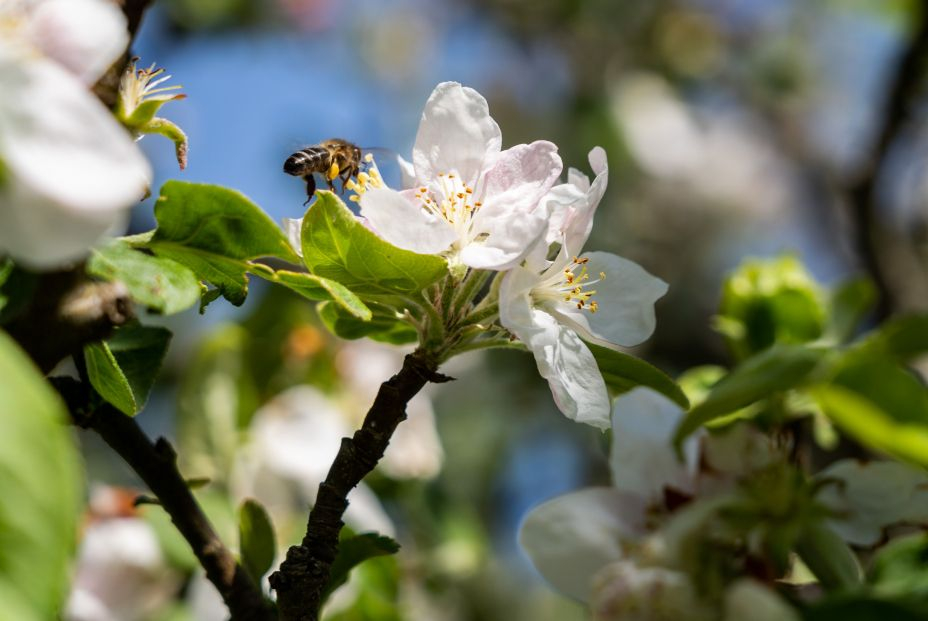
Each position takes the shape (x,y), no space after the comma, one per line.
(320,289)
(901,568)
(354,550)
(40,491)
(623,372)
(903,338)
(779,368)
(256,539)
(893,388)
(870,425)
(850,303)
(161,284)
(217,233)
(828,557)
(124,368)
(216,399)
(383,325)
(108,379)
(339,247)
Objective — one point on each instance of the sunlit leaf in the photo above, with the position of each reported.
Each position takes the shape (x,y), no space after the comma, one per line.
(159,283)
(257,542)
(383,325)
(872,426)
(354,550)
(321,289)
(123,369)
(779,368)
(339,247)
(217,233)
(623,372)
(40,481)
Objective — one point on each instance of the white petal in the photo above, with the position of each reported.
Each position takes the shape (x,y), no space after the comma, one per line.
(456,134)
(626,300)
(405,224)
(570,538)
(562,358)
(85,36)
(871,496)
(518,179)
(407,173)
(560,204)
(72,170)
(579,221)
(642,458)
(293,227)
(502,242)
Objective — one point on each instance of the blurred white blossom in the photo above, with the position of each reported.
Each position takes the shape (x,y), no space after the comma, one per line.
(121,573)
(68,170)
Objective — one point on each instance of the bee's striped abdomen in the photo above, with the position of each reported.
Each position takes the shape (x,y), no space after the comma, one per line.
(307,161)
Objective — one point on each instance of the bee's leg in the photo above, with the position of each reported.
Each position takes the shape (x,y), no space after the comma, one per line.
(310,187)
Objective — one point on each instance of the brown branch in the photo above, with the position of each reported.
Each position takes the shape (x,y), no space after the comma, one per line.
(67,311)
(905,84)
(156,465)
(305,572)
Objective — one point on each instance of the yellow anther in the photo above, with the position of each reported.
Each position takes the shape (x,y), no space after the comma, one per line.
(469,190)
(602,275)
(354,198)
(369,158)
(364,178)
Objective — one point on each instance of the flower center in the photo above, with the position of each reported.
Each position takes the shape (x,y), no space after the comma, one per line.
(367,179)
(141,85)
(571,285)
(451,199)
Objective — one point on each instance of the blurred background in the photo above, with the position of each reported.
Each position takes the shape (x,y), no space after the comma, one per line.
(734,128)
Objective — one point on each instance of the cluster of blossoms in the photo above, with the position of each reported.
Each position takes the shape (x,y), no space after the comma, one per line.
(485,208)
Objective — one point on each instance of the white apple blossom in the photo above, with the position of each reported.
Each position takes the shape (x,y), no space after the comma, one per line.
(616,548)
(599,297)
(474,203)
(68,170)
(572,537)
(292,441)
(120,572)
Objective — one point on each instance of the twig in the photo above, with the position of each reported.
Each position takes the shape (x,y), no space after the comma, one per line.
(68,311)
(305,572)
(156,465)
(904,86)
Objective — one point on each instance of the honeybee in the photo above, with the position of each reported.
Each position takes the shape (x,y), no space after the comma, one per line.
(331,158)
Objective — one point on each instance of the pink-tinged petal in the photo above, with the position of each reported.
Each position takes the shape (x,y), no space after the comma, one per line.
(570,538)
(560,204)
(501,244)
(85,36)
(404,224)
(456,134)
(642,459)
(518,179)
(562,358)
(579,220)
(626,300)
(72,171)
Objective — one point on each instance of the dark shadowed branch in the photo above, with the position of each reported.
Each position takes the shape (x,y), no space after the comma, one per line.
(156,465)
(305,572)
(905,84)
